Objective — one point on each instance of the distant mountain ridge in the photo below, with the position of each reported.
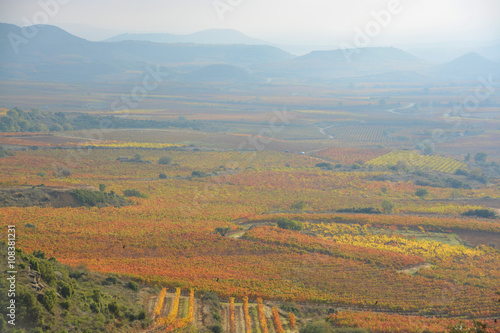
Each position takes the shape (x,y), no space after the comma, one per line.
(469,65)
(52,54)
(346,63)
(55,55)
(212,36)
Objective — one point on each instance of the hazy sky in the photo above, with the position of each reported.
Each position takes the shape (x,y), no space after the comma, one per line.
(278,21)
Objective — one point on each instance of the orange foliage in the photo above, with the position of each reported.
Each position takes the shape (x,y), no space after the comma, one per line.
(277,321)
(292,320)
(262,317)
(393,323)
(248,320)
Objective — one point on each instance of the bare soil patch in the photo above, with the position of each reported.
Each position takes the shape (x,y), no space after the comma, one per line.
(52,139)
(476,238)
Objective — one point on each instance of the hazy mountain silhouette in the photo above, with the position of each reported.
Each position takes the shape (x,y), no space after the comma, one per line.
(345,63)
(52,54)
(212,36)
(468,66)
(48,53)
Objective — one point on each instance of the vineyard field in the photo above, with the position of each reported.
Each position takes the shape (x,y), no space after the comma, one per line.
(417,161)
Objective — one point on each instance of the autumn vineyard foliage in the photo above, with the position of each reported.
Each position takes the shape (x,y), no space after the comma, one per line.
(345,155)
(161,300)
(292,320)
(277,322)
(394,323)
(232,317)
(416,160)
(342,259)
(248,320)
(262,316)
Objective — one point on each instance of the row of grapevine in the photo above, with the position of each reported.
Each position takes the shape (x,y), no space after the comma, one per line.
(232,315)
(171,318)
(416,160)
(262,316)
(159,304)
(292,320)
(248,320)
(363,133)
(276,321)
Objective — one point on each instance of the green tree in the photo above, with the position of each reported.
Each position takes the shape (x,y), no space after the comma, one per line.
(421,192)
(387,206)
(165,160)
(56,128)
(102,187)
(480,157)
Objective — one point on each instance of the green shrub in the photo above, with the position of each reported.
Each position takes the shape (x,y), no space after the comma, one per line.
(290,307)
(421,192)
(461,172)
(133,193)
(132,286)
(113,307)
(387,206)
(319,326)
(110,280)
(49,299)
(215,328)
(484,213)
(39,254)
(222,231)
(65,304)
(94,307)
(327,166)
(47,272)
(163,176)
(88,197)
(165,160)
(286,223)
(197,173)
(66,289)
